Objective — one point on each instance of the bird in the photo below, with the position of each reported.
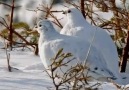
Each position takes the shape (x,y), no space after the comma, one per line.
(50,41)
(76,25)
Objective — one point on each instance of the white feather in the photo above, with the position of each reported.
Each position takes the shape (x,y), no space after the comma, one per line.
(78,26)
(51,41)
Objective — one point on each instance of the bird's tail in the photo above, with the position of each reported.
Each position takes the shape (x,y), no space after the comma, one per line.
(123,79)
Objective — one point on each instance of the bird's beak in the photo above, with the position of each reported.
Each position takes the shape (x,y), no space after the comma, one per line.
(64,12)
(34,30)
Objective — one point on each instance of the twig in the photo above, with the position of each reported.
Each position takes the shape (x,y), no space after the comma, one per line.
(8,57)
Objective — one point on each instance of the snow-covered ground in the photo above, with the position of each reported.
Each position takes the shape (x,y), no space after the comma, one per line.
(30,74)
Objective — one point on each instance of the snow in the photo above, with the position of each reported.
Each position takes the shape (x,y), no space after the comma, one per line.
(23,81)
(121,5)
(26,11)
(30,75)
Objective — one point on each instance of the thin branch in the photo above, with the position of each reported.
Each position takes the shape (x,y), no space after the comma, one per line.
(8,57)
(6,4)
(10,26)
(9,5)
(6,25)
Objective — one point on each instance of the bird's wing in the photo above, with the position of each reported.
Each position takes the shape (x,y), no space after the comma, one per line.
(104,42)
(79,51)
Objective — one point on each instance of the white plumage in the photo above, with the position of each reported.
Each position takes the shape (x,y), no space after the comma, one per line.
(51,41)
(78,26)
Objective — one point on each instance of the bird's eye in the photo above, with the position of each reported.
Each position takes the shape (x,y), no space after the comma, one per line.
(69,11)
(40,25)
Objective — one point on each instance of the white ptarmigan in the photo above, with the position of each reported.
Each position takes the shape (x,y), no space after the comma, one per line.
(50,41)
(78,26)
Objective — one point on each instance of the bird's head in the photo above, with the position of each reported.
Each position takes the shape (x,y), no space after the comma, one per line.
(73,14)
(43,26)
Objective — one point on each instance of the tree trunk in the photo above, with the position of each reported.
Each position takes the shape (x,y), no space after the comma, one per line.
(125,53)
(82,5)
